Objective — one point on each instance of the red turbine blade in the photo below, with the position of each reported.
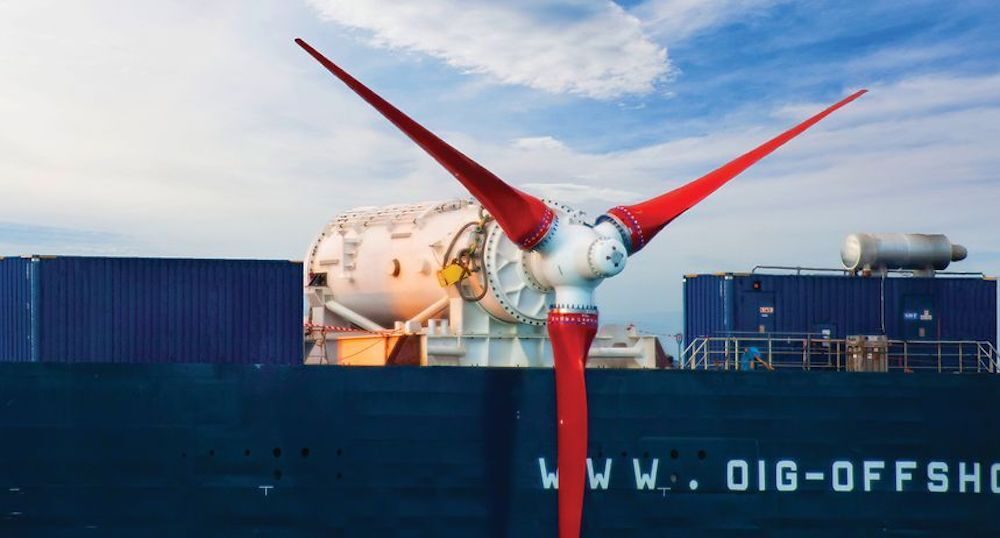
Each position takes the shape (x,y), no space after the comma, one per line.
(645,219)
(571,335)
(524,218)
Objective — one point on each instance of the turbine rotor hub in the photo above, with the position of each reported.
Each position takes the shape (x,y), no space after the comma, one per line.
(606,257)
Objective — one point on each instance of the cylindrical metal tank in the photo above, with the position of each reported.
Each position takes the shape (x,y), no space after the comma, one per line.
(383,262)
(868,251)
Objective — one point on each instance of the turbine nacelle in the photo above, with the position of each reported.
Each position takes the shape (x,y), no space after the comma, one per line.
(575,257)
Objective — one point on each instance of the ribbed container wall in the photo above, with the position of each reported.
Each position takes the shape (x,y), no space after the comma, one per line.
(161,310)
(15,310)
(904,308)
(707,305)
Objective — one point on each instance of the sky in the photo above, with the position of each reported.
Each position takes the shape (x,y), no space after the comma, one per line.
(198,129)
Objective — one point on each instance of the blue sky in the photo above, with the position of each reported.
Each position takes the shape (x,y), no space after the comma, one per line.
(199,129)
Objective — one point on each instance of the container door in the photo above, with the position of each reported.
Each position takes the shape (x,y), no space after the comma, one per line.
(919,318)
(765,312)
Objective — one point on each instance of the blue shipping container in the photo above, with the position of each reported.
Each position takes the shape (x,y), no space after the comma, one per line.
(903,308)
(81,309)
(15,309)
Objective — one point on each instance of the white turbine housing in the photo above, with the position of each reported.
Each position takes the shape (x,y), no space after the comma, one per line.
(382,262)
(576,257)
(377,268)
(381,265)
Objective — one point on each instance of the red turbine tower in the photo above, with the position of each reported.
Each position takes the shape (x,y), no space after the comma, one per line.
(573,259)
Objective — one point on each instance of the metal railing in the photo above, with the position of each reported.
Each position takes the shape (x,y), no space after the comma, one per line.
(774,352)
(847,272)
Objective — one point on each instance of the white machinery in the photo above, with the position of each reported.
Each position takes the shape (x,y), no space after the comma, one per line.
(439,283)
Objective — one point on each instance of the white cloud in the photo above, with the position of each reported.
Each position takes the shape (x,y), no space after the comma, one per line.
(544,143)
(18,238)
(164,132)
(676,20)
(576,194)
(594,48)
(189,136)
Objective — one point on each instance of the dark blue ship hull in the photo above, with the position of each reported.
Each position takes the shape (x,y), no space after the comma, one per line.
(237,450)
